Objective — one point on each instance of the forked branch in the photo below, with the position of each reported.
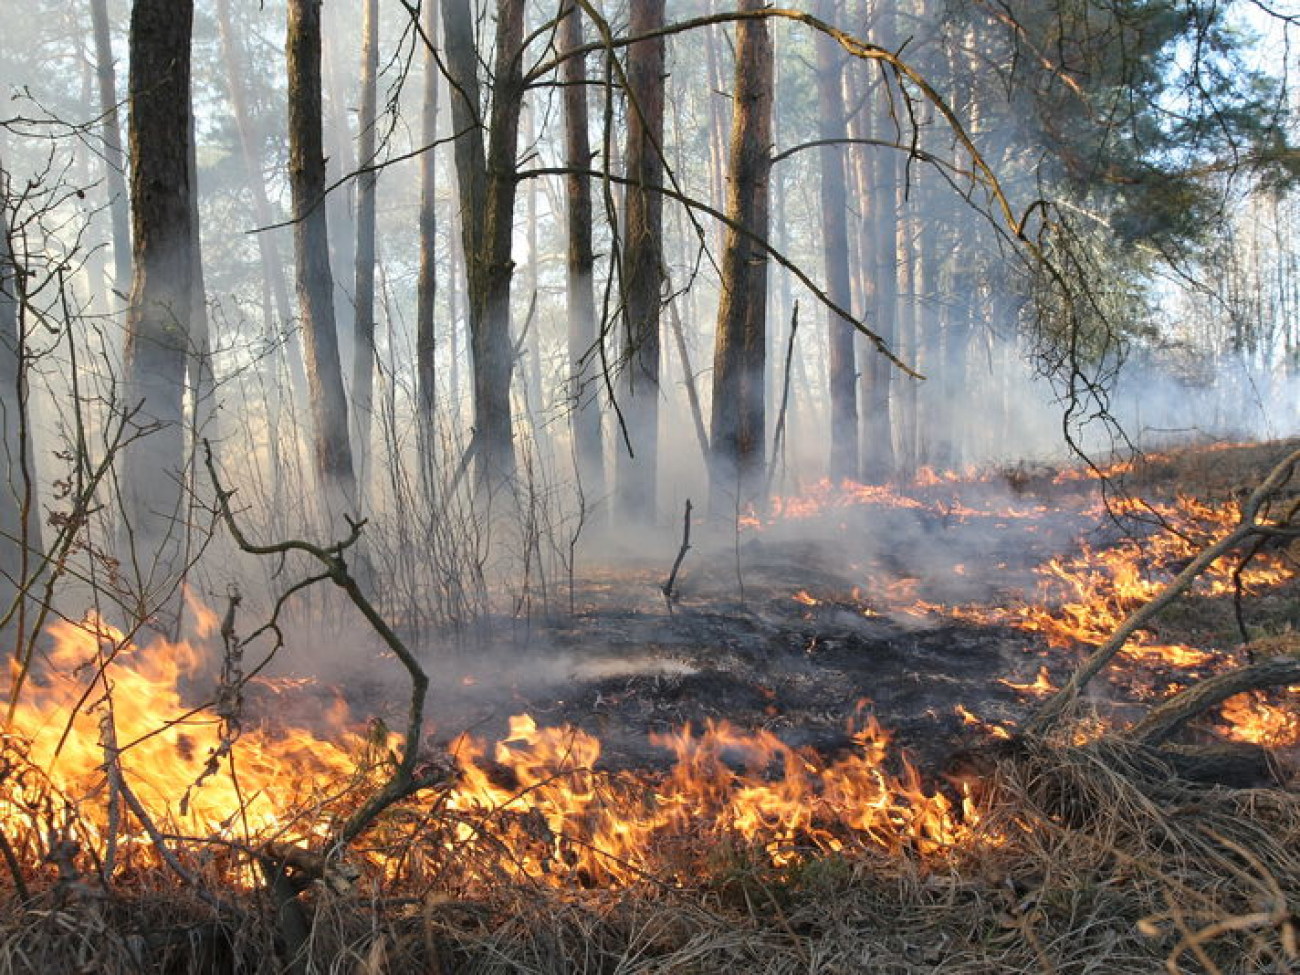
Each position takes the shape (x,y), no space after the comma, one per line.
(403,781)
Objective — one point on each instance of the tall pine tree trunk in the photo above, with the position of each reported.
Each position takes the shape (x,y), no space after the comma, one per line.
(835,251)
(268,247)
(487,196)
(363,360)
(642,272)
(20,533)
(739,359)
(584,355)
(114,162)
(426,287)
(332,453)
(162,299)
(880,252)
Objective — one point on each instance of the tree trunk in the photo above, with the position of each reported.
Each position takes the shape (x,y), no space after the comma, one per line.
(363,360)
(158,316)
(332,453)
(529,341)
(739,357)
(337,73)
(114,163)
(427,280)
(268,248)
(584,355)
(908,350)
(835,252)
(203,391)
(20,533)
(880,252)
(642,268)
(487,196)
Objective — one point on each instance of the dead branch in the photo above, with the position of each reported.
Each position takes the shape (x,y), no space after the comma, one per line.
(15,869)
(669,585)
(403,781)
(778,437)
(1164,720)
(1248,527)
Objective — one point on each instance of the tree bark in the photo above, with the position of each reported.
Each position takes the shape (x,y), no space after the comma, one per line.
(642,272)
(880,261)
(835,252)
(737,434)
(487,196)
(114,162)
(332,453)
(363,360)
(583,335)
(20,533)
(426,286)
(158,337)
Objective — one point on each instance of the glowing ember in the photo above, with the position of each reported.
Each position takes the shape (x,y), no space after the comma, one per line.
(1041,685)
(975,721)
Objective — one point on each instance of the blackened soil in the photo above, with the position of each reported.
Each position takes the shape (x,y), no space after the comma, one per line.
(803,628)
(791,635)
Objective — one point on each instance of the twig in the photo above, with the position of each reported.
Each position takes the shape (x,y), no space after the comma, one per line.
(668,588)
(778,437)
(15,869)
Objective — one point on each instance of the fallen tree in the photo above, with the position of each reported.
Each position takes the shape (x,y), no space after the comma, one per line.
(1255,524)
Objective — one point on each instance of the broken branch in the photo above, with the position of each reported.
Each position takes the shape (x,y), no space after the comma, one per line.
(1248,526)
(669,586)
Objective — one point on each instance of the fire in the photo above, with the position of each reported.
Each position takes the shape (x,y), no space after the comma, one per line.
(825,496)
(564,820)
(1083,598)
(1252,718)
(975,721)
(105,724)
(105,734)
(1041,685)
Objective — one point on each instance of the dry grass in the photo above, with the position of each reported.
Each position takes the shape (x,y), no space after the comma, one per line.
(1092,859)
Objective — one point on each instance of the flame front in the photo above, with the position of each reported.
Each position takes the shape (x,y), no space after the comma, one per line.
(105,735)
(102,751)
(562,820)
(103,732)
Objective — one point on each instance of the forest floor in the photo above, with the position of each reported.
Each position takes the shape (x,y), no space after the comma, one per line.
(947,611)
(906,604)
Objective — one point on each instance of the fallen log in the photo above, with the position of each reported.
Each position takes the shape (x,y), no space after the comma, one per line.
(1248,527)
(1164,720)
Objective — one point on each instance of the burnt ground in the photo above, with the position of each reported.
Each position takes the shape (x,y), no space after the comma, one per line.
(771,662)
(791,628)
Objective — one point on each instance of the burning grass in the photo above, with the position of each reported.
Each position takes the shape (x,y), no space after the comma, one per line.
(1103,863)
(141,833)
